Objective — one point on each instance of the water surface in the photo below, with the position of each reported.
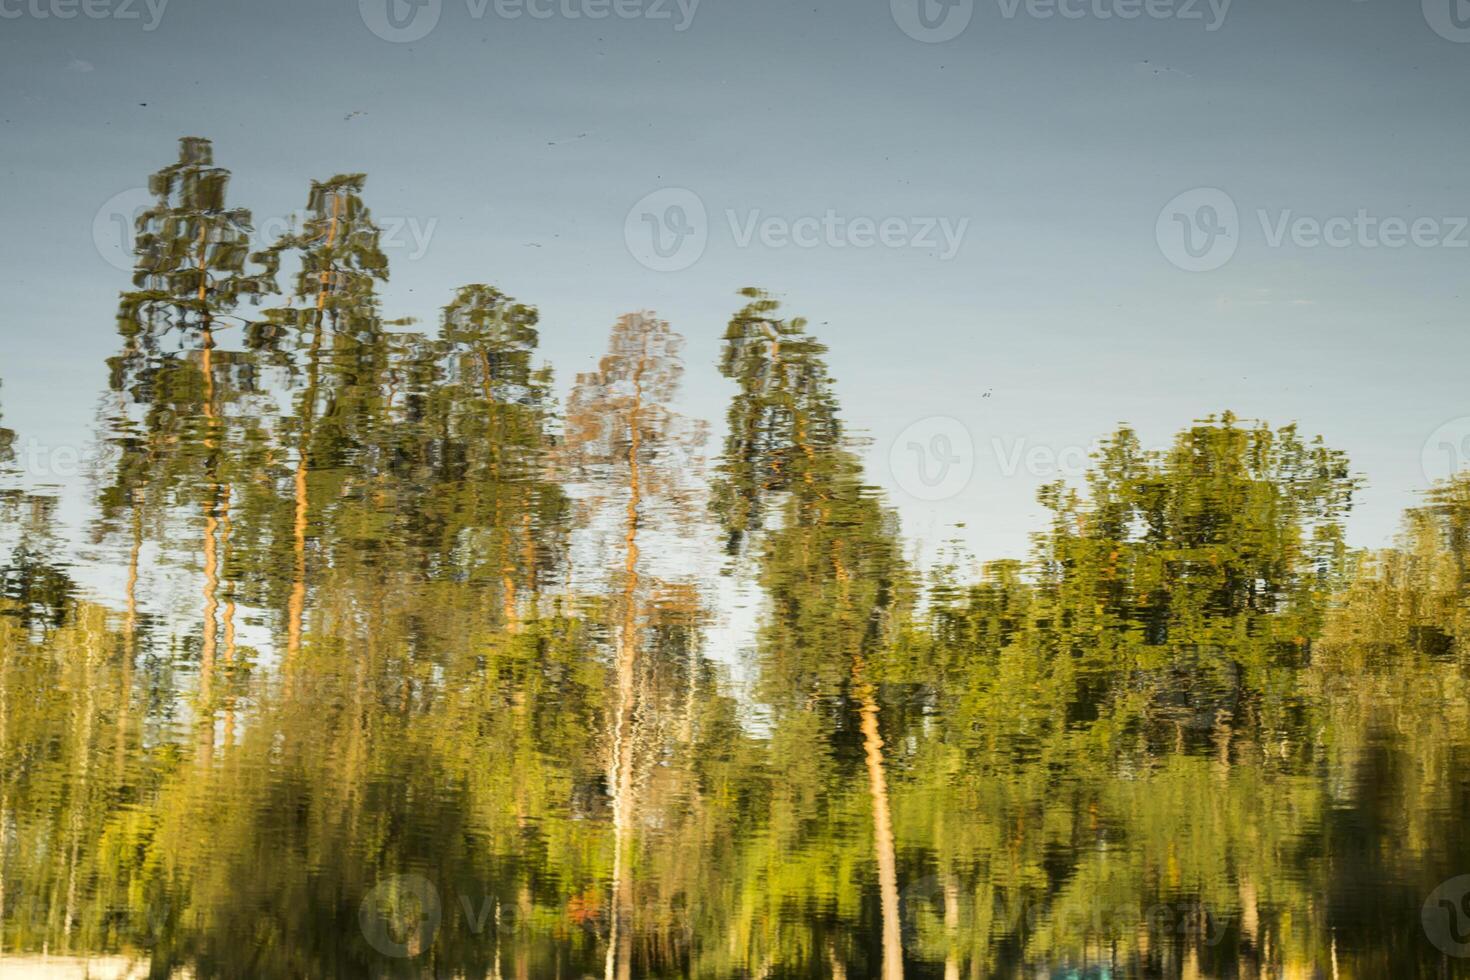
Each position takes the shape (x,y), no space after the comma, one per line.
(414,669)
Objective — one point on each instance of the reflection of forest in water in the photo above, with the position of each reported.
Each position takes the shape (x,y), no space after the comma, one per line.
(1191,735)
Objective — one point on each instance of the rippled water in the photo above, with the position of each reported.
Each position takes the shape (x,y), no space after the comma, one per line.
(412,670)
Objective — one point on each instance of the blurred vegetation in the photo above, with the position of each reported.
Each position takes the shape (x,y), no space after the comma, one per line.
(439,697)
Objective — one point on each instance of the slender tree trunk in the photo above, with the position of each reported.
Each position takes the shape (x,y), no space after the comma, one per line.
(834,962)
(1223,735)
(210,646)
(81,789)
(528,560)
(619,948)
(229,618)
(1248,965)
(210,643)
(882,831)
(6,768)
(951,926)
(358,735)
(4,819)
(129,644)
(296,604)
(878,789)
(495,973)
(507,562)
(524,908)
(690,697)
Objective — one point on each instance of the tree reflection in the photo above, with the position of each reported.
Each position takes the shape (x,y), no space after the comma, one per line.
(408,672)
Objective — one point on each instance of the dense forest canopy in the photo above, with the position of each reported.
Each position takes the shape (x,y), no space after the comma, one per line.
(445,702)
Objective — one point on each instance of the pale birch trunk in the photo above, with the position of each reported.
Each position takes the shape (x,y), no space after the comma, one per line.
(619,949)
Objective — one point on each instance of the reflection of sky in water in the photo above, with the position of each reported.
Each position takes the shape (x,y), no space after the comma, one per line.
(510,149)
(1078,772)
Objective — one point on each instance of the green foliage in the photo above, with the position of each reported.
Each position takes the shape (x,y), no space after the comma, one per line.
(449,637)
(192,252)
